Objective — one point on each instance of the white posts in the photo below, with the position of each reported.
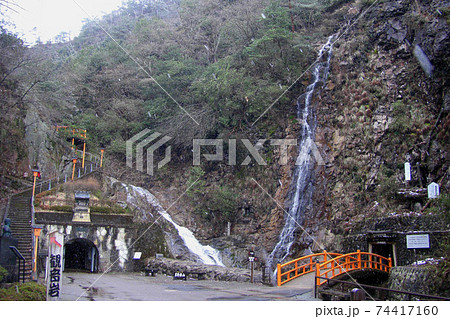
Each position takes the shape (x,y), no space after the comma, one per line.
(433,190)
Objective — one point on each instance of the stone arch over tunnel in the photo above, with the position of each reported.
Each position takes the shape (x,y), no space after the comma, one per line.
(81,254)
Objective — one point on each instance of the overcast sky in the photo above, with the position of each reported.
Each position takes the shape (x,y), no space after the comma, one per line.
(45,19)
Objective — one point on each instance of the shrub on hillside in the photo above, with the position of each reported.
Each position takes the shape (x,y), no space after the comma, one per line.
(90,185)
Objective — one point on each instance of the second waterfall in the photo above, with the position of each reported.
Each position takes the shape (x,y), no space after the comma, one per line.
(301,188)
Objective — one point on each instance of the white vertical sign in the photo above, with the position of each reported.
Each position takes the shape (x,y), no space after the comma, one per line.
(433,190)
(407,171)
(55,265)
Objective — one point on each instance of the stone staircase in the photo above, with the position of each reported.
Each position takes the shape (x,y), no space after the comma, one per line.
(20,212)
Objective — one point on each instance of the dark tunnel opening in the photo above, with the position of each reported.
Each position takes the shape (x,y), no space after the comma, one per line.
(80,254)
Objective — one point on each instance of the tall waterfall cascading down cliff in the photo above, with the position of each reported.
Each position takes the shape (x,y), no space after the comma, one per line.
(205,254)
(301,188)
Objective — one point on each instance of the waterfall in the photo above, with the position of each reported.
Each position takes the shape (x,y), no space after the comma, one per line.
(301,186)
(206,254)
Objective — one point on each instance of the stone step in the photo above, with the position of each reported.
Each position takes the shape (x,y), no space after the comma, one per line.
(23,248)
(22,234)
(25,240)
(21,231)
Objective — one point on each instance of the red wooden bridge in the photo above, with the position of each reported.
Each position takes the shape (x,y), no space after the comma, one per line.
(331,265)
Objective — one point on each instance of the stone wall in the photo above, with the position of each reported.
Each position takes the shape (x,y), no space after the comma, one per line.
(423,280)
(113,243)
(395,229)
(404,255)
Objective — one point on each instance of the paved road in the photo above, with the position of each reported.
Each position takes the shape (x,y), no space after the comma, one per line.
(136,286)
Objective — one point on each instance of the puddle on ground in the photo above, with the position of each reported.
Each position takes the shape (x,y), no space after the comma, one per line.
(91,292)
(182,288)
(290,293)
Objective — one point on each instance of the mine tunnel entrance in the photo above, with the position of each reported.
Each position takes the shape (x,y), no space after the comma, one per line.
(384,249)
(383,243)
(80,254)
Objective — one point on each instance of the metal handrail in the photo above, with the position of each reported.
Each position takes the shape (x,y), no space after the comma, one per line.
(20,257)
(409,293)
(61,179)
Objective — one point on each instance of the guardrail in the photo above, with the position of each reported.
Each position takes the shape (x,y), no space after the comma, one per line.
(48,184)
(89,156)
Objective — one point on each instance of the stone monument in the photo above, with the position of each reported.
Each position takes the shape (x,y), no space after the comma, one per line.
(81,211)
(7,257)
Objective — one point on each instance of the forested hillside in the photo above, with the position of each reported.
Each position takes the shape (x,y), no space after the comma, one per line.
(223,62)
(234,69)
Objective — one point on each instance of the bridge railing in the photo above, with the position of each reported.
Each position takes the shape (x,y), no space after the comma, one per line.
(348,262)
(301,266)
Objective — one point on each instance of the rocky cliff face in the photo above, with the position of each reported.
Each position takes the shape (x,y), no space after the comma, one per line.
(381,108)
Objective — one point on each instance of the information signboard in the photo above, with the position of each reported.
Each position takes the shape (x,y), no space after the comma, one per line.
(417,241)
(137,255)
